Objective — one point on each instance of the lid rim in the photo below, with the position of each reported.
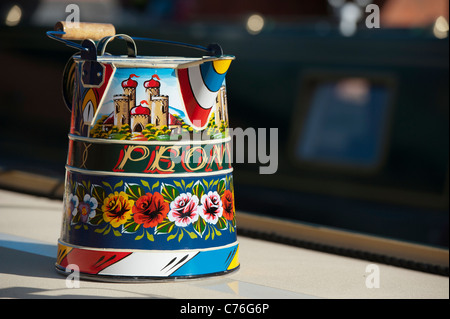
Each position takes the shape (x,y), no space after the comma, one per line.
(155,61)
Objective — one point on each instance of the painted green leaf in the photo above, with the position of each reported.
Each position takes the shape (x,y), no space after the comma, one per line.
(150,236)
(180,236)
(222,223)
(192,234)
(169,192)
(200,226)
(206,184)
(107,184)
(221,187)
(86,185)
(139,237)
(155,185)
(131,226)
(231,184)
(106,232)
(171,237)
(198,190)
(134,191)
(190,184)
(165,227)
(145,183)
(98,193)
(76,218)
(100,230)
(119,184)
(81,191)
(97,219)
(116,232)
(177,184)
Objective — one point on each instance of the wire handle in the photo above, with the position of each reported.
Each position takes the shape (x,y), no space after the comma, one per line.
(131,45)
(212,49)
(55,35)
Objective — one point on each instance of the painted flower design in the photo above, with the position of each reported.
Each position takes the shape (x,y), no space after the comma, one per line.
(117,208)
(72,206)
(87,208)
(184,210)
(211,209)
(228,205)
(150,210)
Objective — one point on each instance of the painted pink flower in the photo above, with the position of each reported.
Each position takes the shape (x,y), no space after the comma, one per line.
(184,210)
(211,209)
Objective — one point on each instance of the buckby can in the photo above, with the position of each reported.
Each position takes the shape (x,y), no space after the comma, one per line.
(149,188)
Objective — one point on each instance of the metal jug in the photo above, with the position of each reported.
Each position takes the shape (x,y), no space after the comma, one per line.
(149,189)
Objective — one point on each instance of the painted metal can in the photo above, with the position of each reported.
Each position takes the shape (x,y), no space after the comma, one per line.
(149,188)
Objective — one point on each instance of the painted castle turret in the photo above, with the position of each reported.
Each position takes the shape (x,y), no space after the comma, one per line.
(129,88)
(152,87)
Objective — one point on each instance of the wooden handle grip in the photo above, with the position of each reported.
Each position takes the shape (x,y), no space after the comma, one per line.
(84,30)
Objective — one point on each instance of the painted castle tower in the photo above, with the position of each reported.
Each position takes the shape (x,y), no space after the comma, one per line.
(159,103)
(121,109)
(160,110)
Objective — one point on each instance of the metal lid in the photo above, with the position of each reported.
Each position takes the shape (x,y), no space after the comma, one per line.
(155,61)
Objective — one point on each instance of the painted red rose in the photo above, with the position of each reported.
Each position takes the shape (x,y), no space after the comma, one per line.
(150,209)
(228,205)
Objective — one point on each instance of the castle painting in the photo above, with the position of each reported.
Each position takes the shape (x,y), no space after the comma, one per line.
(146,104)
